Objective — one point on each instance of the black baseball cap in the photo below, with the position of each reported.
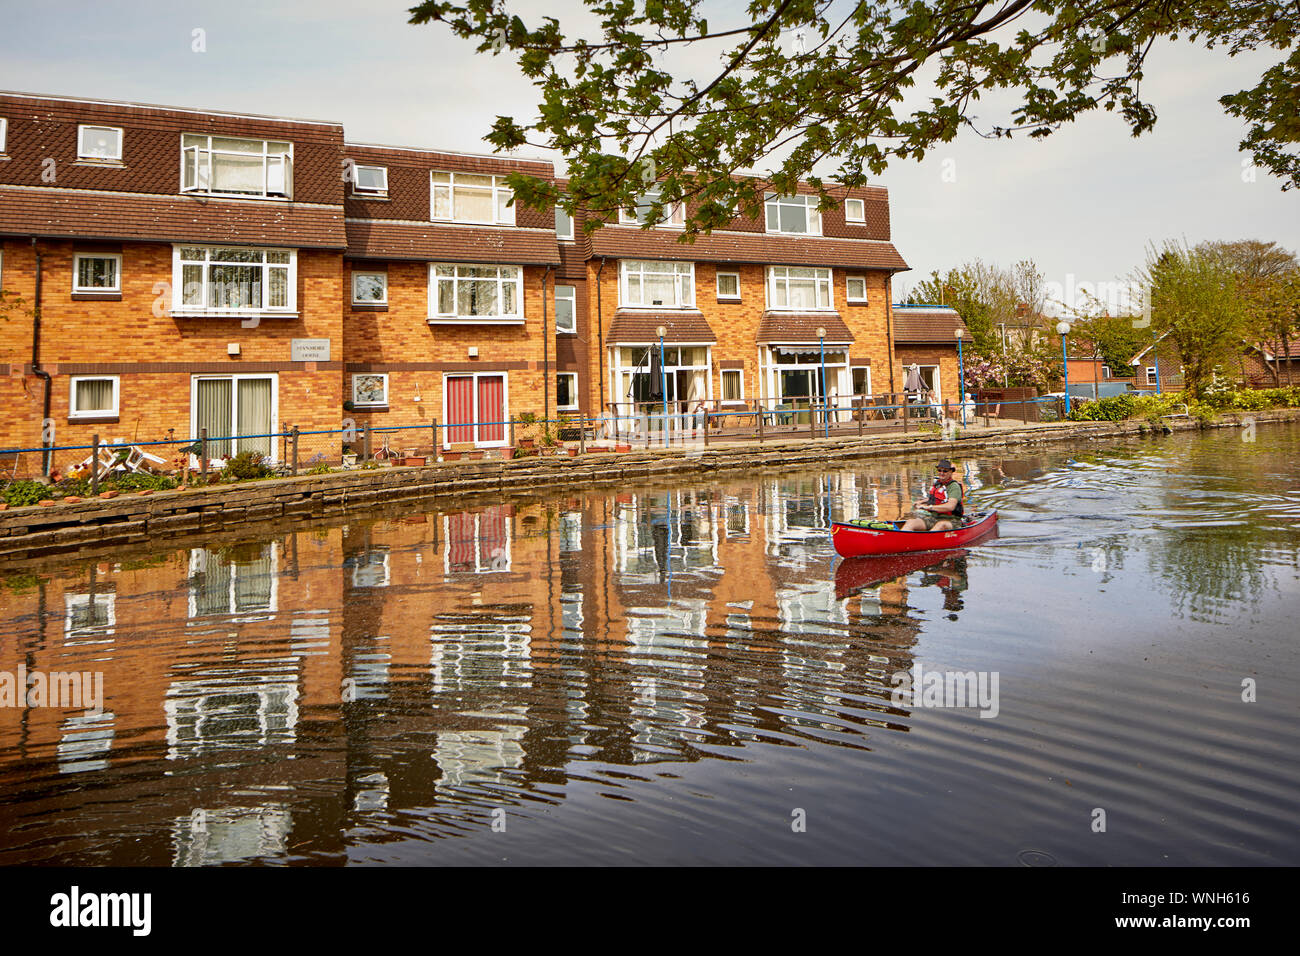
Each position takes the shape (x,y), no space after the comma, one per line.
(944,465)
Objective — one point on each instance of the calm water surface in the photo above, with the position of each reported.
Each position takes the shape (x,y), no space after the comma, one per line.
(689,675)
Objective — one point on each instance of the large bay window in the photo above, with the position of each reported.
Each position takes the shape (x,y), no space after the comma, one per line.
(797,289)
(793,214)
(225,165)
(648,283)
(476,293)
(469,197)
(234,280)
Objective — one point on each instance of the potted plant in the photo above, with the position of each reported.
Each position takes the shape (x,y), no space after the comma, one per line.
(528,429)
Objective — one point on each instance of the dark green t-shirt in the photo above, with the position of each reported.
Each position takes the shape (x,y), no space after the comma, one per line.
(952,490)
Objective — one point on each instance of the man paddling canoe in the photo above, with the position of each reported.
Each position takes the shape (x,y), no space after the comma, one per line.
(941,509)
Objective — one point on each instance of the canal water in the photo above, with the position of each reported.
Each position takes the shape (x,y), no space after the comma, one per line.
(688,675)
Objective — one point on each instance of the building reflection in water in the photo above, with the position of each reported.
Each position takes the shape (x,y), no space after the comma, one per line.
(414,662)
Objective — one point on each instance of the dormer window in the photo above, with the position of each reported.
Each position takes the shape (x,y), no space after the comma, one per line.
(855,210)
(370,181)
(4,132)
(471,197)
(103,143)
(797,215)
(226,166)
(673,215)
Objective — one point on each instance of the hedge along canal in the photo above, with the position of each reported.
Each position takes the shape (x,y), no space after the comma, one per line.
(143,519)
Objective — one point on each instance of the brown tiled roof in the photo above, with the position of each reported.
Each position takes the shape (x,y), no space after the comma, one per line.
(83,214)
(1276,349)
(633,242)
(802,327)
(434,242)
(926,325)
(643,326)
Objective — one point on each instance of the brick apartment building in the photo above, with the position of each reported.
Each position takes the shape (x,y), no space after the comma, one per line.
(170,269)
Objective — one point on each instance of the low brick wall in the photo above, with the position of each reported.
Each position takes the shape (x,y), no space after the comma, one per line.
(135,519)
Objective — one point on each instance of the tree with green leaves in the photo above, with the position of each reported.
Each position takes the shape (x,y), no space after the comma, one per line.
(1268,278)
(1196,302)
(662,93)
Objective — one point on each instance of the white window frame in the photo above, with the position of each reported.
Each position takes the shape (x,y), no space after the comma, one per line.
(455,318)
(865,368)
(117,272)
(360,404)
(503,214)
(563,217)
(573,391)
(1151,374)
(728,296)
(638,267)
(180,307)
(75,413)
(572,298)
(781,275)
(773,204)
(381,275)
(4,134)
(675,214)
(88,157)
(862,210)
(848,294)
(479,442)
(234,378)
(202,160)
(370,191)
(722,385)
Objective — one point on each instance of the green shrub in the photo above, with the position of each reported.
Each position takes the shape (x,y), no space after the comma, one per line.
(24,492)
(138,481)
(246,465)
(319,470)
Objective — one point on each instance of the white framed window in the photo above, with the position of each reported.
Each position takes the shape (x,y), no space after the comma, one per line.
(798,289)
(855,210)
(470,197)
(563,224)
(855,288)
(230,166)
(861,379)
(566,308)
(238,411)
(99,142)
(1151,374)
(674,215)
(234,280)
(733,385)
(729,286)
(370,288)
(652,284)
(369,180)
(370,388)
(566,390)
(4,133)
(93,396)
(797,215)
(1105,371)
(476,293)
(96,273)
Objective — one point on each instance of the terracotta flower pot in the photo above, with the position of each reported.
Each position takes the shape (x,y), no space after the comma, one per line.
(622,447)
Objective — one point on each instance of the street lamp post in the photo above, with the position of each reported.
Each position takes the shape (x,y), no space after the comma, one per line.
(961,376)
(663,382)
(1064,329)
(1006,376)
(821,338)
(1155,354)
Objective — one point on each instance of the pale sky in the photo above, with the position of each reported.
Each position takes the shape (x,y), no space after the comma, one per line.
(1084,204)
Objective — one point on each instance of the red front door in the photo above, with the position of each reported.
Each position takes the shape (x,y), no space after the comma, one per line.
(476,409)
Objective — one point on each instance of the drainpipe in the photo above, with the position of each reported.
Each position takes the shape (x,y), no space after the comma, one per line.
(600,339)
(47,456)
(546,354)
(889,329)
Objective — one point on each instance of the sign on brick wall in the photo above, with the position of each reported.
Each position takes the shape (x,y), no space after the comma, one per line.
(309,350)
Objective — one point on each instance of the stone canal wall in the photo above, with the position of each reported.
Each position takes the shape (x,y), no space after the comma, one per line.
(135,519)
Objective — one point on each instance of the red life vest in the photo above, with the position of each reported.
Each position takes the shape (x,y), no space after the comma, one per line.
(939,495)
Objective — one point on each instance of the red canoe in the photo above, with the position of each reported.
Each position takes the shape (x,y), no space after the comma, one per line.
(852,541)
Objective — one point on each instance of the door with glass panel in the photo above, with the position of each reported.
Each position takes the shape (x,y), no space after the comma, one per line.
(238,413)
(475,409)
